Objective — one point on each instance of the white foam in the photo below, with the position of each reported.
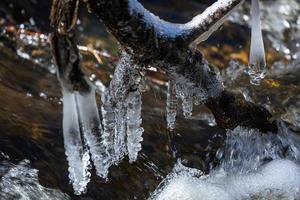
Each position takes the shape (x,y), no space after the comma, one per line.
(277,179)
(244,171)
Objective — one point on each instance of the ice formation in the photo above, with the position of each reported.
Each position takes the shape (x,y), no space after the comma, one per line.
(22,182)
(252,167)
(171,105)
(189,93)
(121,111)
(75,148)
(92,130)
(257,60)
(122,128)
(134,121)
(104,143)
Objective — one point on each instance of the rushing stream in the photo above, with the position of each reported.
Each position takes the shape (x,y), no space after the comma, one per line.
(38,157)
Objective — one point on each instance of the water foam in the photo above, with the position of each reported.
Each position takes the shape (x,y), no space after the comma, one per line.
(264,172)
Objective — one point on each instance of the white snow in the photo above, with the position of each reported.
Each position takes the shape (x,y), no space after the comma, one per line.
(168,29)
(279,179)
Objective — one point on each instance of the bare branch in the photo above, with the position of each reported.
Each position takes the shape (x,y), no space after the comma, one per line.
(66,57)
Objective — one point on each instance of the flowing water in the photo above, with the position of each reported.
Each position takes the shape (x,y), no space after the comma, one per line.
(214,164)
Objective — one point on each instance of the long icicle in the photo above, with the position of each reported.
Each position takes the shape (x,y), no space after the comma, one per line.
(134,122)
(171,105)
(257,60)
(77,153)
(92,130)
(120,132)
(109,123)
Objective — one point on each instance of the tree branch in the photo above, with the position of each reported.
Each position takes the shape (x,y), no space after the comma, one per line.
(136,27)
(152,41)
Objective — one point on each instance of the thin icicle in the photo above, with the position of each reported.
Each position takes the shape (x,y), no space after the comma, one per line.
(257,60)
(134,121)
(171,105)
(91,127)
(77,153)
(108,114)
(187,106)
(120,133)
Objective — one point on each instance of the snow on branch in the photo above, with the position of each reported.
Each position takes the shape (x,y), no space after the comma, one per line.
(130,18)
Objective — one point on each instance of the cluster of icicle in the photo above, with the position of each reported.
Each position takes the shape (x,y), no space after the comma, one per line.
(180,88)
(257,60)
(106,142)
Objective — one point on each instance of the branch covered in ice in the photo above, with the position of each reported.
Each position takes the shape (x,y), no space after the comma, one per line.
(155,42)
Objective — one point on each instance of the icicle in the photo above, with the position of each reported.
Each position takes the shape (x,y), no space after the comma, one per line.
(108,114)
(171,105)
(120,133)
(134,121)
(187,106)
(91,127)
(76,152)
(257,60)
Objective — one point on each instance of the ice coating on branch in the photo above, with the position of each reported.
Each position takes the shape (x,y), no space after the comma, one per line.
(257,60)
(76,151)
(126,77)
(253,166)
(171,105)
(134,122)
